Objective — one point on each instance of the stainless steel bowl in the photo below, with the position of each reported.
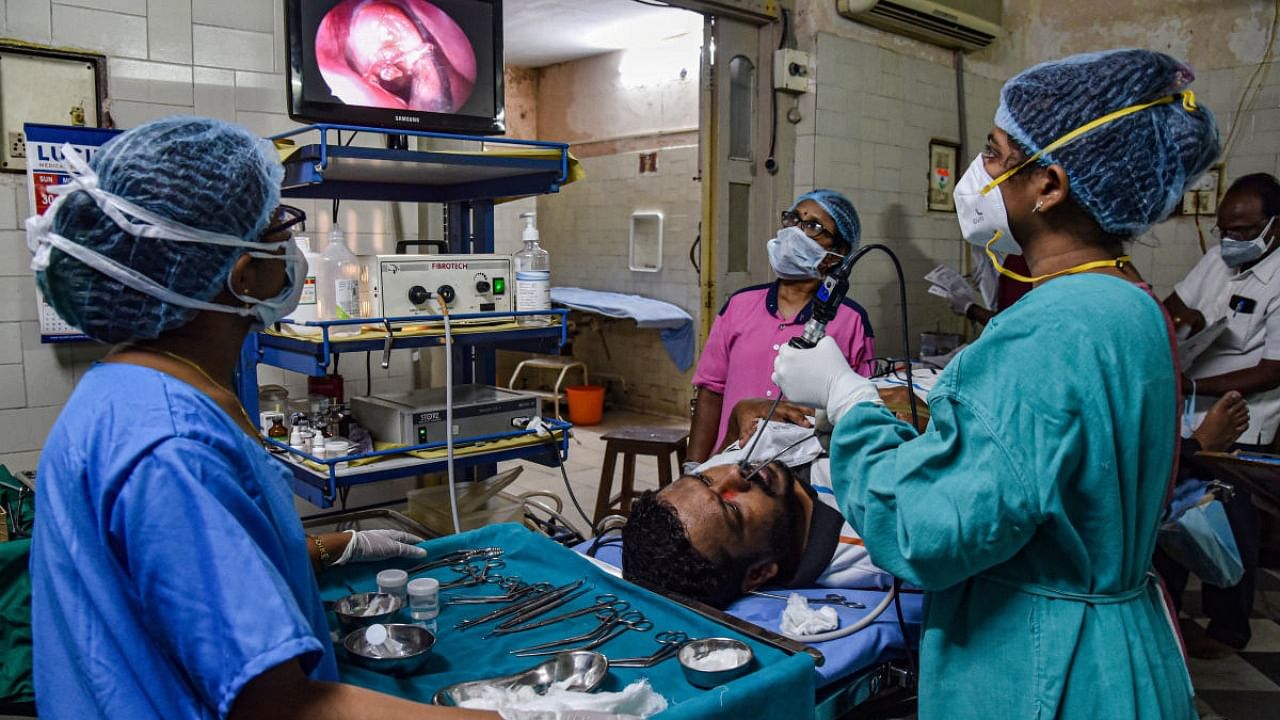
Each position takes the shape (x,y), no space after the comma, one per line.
(415,650)
(695,650)
(584,671)
(353,611)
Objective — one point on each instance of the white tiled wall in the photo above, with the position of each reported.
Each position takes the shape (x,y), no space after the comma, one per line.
(865,131)
(220,58)
(586,228)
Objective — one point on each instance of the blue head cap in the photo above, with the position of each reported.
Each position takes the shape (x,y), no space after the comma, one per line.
(200,172)
(1129,173)
(840,210)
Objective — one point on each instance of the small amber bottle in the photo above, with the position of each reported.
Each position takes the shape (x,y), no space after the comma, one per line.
(278,431)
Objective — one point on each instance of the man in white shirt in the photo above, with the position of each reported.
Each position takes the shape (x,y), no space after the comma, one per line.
(1239,282)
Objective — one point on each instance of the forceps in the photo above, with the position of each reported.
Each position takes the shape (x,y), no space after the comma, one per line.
(828,599)
(612,624)
(455,557)
(558,596)
(472,575)
(670,642)
(514,625)
(515,588)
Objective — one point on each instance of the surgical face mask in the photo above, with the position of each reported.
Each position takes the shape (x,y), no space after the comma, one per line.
(143,223)
(796,256)
(981,212)
(1242,252)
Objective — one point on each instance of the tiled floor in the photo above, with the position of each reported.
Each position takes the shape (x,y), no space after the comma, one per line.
(1243,687)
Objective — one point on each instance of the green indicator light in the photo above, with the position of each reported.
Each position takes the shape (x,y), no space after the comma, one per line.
(499,286)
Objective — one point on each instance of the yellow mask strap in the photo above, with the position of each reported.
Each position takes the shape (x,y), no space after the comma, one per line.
(1187,97)
(1119,262)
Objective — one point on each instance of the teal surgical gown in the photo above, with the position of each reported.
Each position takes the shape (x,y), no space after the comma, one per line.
(1028,508)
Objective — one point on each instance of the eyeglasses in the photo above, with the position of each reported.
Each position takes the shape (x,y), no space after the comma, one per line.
(812,228)
(1249,233)
(285,217)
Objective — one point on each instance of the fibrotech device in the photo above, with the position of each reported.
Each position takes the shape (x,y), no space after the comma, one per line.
(418,416)
(406,285)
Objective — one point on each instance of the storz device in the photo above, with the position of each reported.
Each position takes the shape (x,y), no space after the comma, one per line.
(407,285)
(418,417)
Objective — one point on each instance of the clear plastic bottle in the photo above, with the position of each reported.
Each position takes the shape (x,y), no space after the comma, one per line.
(533,275)
(307,310)
(338,280)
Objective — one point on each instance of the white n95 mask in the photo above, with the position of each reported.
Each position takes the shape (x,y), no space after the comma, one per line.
(146,224)
(796,256)
(983,215)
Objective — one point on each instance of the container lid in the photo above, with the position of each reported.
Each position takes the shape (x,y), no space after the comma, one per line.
(392,578)
(424,587)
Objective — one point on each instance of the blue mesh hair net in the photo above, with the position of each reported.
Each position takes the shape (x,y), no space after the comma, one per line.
(1129,173)
(201,172)
(840,210)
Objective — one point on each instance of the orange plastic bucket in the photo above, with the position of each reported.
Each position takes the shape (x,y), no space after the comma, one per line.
(586,403)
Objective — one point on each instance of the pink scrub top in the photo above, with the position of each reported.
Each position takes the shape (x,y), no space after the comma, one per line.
(737,361)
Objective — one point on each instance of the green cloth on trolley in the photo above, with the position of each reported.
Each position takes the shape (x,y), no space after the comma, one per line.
(15,597)
(780,686)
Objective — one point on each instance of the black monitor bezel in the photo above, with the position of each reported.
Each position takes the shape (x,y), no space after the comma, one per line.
(310,111)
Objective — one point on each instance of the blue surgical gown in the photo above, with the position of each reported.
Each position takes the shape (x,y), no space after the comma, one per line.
(169,567)
(1028,510)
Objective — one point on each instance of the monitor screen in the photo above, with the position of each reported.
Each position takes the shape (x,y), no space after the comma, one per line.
(415,64)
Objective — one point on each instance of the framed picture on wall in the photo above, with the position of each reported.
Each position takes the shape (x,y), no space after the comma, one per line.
(943,173)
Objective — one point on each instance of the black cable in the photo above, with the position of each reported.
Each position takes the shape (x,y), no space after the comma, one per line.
(368,374)
(348,142)
(770,164)
(650,3)
(604,540)
(902,626)
(693,250)
(847,267)
(567,485)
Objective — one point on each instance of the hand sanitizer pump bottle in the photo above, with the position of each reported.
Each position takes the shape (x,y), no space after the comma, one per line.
(533,275)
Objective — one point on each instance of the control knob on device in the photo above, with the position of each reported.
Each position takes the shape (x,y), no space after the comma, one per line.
(418,295)
(446,292)
(482,287)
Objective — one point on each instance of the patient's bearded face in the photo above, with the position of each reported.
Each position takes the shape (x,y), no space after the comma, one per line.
(727,515)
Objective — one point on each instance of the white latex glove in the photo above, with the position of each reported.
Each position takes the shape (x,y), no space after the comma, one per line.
(374,545)
(821,377)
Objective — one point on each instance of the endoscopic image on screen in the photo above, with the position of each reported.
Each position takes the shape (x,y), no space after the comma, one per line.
(395,54)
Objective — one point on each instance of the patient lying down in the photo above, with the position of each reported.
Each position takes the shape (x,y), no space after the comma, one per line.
(715,535)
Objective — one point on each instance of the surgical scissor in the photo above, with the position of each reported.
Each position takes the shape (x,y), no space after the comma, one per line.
(612,624)
(455,557)
(670,642)
(520,623)
(828,599)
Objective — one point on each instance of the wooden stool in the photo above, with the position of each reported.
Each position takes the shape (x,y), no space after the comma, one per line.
(659,442)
